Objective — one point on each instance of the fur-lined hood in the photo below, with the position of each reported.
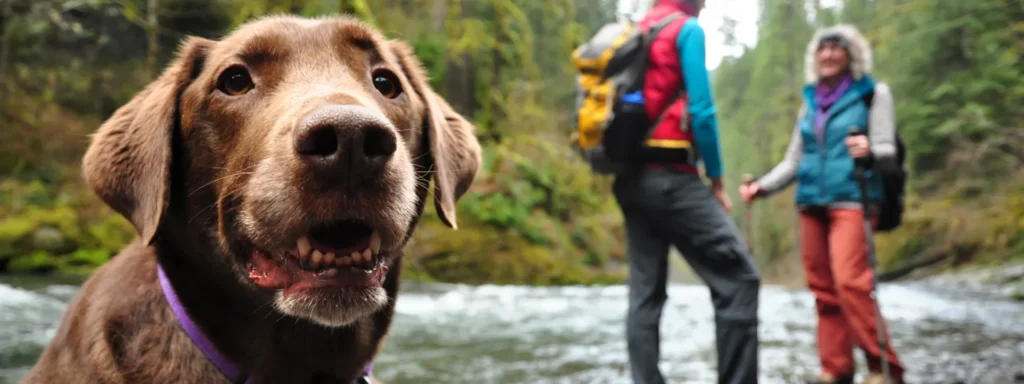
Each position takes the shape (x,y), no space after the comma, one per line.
(860,52)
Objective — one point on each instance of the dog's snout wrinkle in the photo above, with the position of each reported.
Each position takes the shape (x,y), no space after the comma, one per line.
(345,143)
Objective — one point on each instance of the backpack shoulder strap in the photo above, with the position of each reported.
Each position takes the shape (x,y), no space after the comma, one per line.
(869,98)
(664,22)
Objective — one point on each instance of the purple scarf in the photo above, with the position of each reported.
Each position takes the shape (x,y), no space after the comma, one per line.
(823,99)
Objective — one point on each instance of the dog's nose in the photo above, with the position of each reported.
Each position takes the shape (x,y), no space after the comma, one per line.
(345,142)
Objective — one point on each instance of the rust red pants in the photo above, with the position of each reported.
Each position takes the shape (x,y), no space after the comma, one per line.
(835,259)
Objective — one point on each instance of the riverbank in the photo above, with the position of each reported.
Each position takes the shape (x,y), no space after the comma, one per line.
(1003,280)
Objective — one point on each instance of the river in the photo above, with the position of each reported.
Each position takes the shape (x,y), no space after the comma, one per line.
(510,334)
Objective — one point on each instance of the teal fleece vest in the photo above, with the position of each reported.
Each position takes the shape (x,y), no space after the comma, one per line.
(826,172)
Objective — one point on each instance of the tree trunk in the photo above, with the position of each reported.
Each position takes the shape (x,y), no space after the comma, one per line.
(5,52)
(438,14)
(497,62)
(460,79)
(153,32)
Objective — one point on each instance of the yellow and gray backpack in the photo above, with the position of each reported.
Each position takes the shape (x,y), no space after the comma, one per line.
(611,121)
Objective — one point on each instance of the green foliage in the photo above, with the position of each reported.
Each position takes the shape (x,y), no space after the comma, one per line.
(536,214)
(1018,292)
(88,257)
(37,261)
(482,254)
(48,227)
(430,50)
(758,96)
(533,205)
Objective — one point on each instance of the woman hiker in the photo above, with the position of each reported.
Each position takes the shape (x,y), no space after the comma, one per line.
(820,159)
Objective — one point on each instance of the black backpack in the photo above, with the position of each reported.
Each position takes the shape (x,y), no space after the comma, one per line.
(894,183)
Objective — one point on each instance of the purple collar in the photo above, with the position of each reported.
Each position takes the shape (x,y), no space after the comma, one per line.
(229,369)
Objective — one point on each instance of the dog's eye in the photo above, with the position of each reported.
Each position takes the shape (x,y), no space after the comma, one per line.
(235,81)
(386,84)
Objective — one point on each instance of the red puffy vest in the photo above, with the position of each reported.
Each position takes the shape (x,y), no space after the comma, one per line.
(664,82)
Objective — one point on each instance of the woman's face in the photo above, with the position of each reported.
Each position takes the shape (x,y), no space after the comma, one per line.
(832,59)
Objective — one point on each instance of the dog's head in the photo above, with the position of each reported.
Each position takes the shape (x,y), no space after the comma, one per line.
(298,150)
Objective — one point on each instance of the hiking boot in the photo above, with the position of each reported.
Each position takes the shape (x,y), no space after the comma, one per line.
(826,378)
(878,378)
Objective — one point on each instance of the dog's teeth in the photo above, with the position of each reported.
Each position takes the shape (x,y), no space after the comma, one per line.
(330,273)
(356,256)
(343,261)
(367,255)
(316,258)
(329,258)
(303,244)
(375,242)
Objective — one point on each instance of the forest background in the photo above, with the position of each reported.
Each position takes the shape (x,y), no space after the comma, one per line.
(536,215)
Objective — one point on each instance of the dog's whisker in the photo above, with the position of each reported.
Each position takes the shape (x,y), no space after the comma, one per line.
(219,179)
(243,169)
(229,193)
(201,212)
(420,156)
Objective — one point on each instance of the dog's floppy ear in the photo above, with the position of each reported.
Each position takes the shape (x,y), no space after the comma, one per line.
(456,153)
(128,163)
(453,144)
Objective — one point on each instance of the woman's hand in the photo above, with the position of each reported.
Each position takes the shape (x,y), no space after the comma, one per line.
(858,146)
(749,191)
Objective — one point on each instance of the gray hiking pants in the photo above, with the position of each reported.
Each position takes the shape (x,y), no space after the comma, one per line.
(667,207)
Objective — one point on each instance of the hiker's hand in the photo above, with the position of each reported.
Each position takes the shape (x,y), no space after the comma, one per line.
(748,192)
(858,146)
(719,191)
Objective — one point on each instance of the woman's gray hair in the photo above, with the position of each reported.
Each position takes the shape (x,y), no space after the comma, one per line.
(858,47)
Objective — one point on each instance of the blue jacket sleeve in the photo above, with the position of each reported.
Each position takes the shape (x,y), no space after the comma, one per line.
(690,42)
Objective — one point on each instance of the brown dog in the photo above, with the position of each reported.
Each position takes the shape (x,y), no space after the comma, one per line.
(274,176)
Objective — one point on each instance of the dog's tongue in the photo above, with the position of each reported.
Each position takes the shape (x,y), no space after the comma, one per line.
(264,272)
(285,274)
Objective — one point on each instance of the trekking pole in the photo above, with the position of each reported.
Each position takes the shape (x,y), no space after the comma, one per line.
(860,166)
(747,180)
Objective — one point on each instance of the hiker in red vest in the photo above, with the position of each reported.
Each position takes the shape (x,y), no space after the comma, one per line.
(820,159)
(668,204)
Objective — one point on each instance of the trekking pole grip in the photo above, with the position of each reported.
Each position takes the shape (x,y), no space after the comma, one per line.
(860,163)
